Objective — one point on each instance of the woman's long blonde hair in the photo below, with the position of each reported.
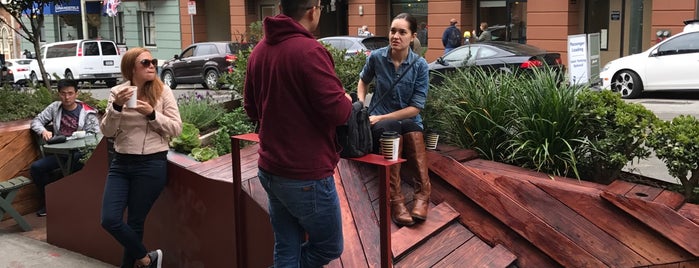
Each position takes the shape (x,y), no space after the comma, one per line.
(152,89)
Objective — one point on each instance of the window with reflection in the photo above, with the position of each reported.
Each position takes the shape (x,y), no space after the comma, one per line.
(417,8)
(506,19)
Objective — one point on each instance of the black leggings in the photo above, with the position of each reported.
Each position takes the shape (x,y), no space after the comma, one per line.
(400,126)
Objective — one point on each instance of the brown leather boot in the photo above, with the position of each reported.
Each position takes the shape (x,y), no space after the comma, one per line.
(416,155)
(399,213)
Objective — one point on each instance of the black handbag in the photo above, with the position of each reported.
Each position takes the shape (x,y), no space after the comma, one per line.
(354,137)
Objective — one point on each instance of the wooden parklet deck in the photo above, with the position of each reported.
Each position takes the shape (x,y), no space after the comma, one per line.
(487,214)
(484,214)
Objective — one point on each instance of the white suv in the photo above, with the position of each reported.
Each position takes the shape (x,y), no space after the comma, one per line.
(81,60)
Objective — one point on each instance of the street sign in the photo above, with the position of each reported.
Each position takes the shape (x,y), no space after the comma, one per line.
(192,7)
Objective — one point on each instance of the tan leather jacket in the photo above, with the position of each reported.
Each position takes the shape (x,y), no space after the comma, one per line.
(134,133)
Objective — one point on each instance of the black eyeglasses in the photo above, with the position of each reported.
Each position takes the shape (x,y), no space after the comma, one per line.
(146,63)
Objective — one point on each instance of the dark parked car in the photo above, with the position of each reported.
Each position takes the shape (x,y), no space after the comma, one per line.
(501,57)
(356,44)
(199,63)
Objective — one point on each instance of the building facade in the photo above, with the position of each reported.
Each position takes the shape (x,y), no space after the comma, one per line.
(626,26)
(167,26)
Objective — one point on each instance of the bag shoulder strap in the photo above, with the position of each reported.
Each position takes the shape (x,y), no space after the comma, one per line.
(394,83)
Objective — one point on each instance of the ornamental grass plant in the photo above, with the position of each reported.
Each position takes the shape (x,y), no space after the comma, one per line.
(524,120)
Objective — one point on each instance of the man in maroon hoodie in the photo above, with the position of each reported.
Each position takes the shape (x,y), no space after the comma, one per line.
(292,91)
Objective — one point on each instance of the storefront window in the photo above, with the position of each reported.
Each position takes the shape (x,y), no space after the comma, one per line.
(417,8)
(506,19)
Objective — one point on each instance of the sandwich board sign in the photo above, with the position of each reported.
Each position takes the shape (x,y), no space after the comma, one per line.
(584,58)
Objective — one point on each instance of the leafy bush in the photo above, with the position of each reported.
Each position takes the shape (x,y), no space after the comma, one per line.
(235,81)
(676,143)
(25,104)
(188,140)
(199,110)
(232,123)
(203,154)
(615,133)
(86,97)
(347,68)
(102,105)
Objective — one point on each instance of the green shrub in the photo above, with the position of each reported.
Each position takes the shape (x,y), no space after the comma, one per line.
(199,110)
(615,133)
(676,143)
(232,123)
(235,81)
(86,97)
(102,105)
(25,104)
(188,140)
(203,154)
(347,68)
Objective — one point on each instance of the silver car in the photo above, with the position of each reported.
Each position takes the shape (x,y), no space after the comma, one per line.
(356,44)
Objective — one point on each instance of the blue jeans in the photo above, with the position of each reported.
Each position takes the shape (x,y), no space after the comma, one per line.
(133,182)
(300,207)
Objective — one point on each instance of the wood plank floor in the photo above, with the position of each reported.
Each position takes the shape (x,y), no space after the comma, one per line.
(493,215)
(422,245)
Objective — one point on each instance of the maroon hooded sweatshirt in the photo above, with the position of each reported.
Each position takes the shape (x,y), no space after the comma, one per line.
(292,91)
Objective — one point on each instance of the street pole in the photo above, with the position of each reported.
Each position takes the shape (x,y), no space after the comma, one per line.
(191,19)
(83,17)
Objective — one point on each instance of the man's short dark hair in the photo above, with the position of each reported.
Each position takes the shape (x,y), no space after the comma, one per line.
(63,83)
(296,8)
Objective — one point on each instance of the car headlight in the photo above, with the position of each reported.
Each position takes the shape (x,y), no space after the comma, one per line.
(606,66)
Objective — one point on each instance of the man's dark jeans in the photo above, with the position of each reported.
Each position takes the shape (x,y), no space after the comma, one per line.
(42,171)
(134,182)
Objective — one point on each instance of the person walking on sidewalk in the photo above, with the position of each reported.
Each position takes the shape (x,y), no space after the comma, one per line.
(451,38)
(138,172)
(293,93)
(399,111)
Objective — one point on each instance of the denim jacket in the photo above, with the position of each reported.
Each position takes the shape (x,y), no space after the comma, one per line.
(411,90)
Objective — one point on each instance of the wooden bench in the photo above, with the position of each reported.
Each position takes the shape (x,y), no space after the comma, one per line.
(8,191)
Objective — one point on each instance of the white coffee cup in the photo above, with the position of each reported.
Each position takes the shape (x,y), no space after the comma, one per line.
(390,143)
(79,134)
(132,101)
(432,139)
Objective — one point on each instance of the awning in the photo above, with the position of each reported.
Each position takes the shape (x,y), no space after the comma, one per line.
(72,7)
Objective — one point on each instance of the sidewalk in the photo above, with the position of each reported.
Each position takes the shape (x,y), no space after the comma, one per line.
(29,249)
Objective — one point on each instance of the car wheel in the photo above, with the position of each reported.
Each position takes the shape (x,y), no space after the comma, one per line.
(211,79)
(34,79)
(628,84)
(111,82)
(69,75)
(169,79)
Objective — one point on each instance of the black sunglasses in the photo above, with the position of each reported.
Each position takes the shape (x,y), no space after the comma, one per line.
(146,63)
